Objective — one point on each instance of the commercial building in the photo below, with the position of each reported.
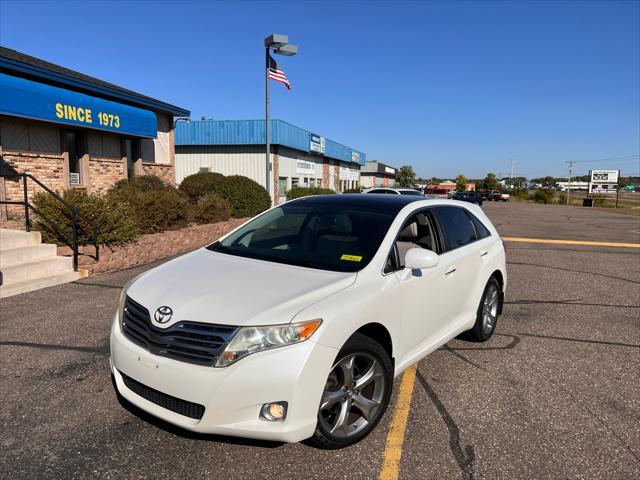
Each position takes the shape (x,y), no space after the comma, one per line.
(450,186)
(377,174)
(71,130)
(237,147)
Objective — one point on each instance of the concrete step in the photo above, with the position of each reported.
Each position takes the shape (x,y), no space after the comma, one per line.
(36,269)
(41,282)
(18,238)
(26,254)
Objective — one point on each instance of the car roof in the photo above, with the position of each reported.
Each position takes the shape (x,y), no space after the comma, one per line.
(387,203)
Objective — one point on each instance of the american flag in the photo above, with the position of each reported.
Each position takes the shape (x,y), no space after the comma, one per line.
(276,74)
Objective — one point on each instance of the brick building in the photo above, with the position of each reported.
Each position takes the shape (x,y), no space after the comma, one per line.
(237,147)
(71,130)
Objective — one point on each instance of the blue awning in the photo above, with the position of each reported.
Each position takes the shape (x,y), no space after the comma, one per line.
(25,98)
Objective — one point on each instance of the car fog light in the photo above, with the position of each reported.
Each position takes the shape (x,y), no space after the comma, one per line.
(274,412)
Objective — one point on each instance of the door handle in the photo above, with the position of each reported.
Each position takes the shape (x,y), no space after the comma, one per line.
(450,270)
(484,253)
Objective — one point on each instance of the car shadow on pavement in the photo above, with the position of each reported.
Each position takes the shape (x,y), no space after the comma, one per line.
(181,432)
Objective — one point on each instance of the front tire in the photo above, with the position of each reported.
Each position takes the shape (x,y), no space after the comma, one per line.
(356,394)
(487,314)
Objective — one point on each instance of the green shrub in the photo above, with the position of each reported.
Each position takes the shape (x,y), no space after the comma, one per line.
(142,183)
(520,193)
(353,190)
(247,198)
(199,184)
(544,195)
(114,221)
(154,205)
(211,208)
(297,192)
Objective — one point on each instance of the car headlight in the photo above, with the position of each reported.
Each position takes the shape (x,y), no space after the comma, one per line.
(250,340)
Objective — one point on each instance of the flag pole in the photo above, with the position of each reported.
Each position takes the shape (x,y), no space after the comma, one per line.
(266,127)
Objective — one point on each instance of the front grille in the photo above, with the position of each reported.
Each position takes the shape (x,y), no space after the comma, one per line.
(192,342)
(188,409)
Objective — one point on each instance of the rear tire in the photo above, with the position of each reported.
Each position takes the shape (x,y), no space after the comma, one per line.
(487,314)
(356,394)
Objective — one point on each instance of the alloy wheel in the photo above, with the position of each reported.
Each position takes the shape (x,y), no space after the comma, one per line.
(353,395)
(490,309)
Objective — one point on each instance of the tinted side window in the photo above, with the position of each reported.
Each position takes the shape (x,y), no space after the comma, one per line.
(457,226)
(481,230)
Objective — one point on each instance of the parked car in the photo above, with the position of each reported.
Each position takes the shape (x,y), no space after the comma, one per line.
(471,197)
(394,191)
(294,325)
(496,196)
(436,192)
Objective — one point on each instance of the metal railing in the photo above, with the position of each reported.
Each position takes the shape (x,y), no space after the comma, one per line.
(70,239)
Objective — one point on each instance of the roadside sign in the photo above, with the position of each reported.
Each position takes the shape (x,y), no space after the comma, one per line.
(603,181)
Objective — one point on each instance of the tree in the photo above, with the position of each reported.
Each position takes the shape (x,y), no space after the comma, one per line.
(461,183)
(406,177)
(491,182)
(548,182)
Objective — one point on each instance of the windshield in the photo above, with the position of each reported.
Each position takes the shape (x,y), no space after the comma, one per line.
(328,237)
(410,192)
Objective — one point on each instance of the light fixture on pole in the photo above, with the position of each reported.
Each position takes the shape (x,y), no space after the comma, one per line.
(280,45)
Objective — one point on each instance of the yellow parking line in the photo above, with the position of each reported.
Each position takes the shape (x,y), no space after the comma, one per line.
(395,438)
(571,242)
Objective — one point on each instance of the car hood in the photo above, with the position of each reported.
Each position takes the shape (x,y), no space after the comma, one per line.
(213,287)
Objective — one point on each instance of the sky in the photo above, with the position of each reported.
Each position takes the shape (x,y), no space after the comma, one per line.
(447,87)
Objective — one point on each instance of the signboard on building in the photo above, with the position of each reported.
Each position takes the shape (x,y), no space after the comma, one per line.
(355,157)
(304,167)
(318,144)
(347,173)
(20,97)
(74,178)
(604,181)
(390,170)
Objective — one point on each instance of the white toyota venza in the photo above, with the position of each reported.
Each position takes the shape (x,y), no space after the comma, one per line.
(294,325)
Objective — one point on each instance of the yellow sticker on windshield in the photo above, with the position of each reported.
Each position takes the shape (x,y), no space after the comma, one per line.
(351,258)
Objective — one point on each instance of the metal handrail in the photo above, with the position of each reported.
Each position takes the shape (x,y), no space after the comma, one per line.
(73,243)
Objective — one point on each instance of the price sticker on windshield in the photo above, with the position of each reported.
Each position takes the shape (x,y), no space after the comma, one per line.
(351,258)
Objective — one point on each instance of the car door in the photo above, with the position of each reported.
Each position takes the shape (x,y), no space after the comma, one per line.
(423,302)
(463,260)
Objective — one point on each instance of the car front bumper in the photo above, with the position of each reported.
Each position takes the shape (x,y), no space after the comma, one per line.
(233,395)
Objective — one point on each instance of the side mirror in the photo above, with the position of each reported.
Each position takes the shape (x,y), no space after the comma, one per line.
(419,258)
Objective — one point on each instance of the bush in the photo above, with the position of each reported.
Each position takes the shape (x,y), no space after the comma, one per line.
(520,193)
(154,205)
(544,195)
(211,208)
(199,184)
(353,190)
(297,192)
(247,198)
(142,183)
(114,221)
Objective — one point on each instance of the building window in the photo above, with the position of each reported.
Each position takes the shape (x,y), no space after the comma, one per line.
(294,182)
(282,185)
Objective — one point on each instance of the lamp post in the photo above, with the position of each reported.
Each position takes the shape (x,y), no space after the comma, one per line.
(281,46)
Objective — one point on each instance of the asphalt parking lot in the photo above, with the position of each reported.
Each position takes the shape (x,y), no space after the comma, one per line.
(554,394)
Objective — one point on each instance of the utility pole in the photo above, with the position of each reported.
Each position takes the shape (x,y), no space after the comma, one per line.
(570,162)
(511,175)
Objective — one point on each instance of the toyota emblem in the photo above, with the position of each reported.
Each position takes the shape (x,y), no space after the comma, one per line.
(163,314)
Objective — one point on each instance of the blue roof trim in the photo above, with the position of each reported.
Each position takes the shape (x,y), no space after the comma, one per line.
(251,132)
(87,86)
